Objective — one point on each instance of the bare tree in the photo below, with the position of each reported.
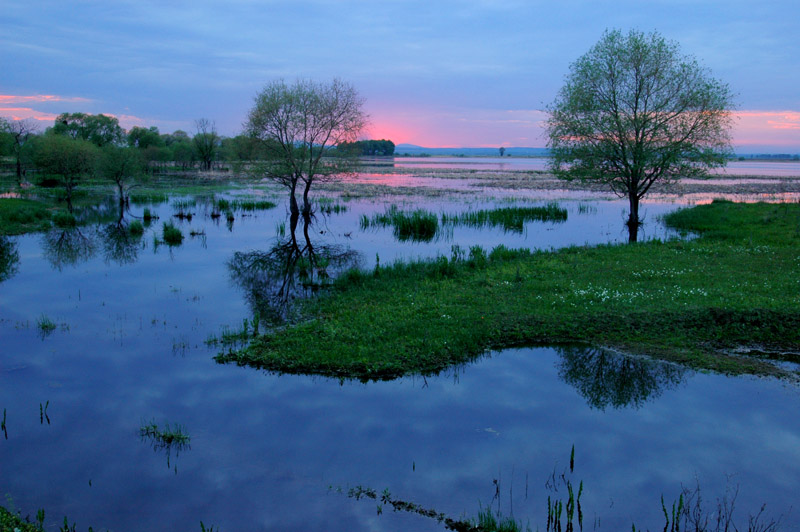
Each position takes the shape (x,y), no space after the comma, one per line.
(300,126)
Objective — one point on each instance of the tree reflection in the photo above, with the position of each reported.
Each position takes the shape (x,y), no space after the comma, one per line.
(293,267)
(119,244)
(605,378)
(68,247)
(9,259)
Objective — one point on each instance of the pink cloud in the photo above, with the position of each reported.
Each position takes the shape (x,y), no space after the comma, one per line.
(778,128)
(38,98)
(21,113)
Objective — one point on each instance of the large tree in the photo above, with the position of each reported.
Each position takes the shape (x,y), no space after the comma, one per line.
(633,112)
(98,129)
(120,165)
(69,160)
(206,142)
(299,126)
(19,132)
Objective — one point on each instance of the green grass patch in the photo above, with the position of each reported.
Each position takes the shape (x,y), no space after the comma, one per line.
(509,218)
(171,234)
(694,302)
(148,198)
(418,225)
(18,216)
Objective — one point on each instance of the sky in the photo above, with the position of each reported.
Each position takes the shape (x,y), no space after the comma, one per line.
(436,73)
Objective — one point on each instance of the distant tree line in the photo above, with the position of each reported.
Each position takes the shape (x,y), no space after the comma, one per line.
(370,147)
(80,145)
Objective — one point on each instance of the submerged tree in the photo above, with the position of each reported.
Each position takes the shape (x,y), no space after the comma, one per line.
(634,112)
(293,267)
(120,165)
(299,126)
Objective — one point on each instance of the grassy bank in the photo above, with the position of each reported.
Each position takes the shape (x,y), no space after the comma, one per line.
(695,302)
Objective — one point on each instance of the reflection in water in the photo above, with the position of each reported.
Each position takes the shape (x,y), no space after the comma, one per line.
(605,378)
(9,258)
(119,245)
(68,247)
(293,267)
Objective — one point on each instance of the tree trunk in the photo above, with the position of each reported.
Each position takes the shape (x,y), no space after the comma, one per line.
(293,208)
(633,218)
(306,201)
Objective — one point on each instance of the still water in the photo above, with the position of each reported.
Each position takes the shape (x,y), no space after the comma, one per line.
(270,452)
(733,168)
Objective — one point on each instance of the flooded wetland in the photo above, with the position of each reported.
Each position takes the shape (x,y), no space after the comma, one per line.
(117,415)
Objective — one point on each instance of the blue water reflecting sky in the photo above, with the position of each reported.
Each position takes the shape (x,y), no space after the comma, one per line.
(129,348)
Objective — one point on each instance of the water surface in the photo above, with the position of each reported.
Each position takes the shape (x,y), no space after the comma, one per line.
(272,452)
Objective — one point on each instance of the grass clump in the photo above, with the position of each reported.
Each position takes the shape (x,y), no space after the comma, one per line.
(45,325)
(148,198)
(418,225)
(697,302)
(64,220)
(171,234)
(509,218)
(136,228)
(18,216)
(165,436)
(252,205)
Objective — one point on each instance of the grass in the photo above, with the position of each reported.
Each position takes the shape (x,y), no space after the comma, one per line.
(693,302)
(171,234)
(509,218)
(136,228)
(18,216)
(418,225)
(45,325)
(164,437)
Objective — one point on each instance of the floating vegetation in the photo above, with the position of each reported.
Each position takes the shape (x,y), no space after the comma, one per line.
(171,234)
(509,218)
(418,225)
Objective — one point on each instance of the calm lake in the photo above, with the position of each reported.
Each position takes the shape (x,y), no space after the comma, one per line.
(733,168)
(272,452)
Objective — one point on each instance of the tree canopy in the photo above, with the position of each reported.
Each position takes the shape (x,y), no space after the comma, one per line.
(370,147)
(98,129)
(299,125)
(634,111)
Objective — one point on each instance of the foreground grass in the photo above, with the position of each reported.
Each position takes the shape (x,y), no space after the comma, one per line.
(692,302)
(19,216)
